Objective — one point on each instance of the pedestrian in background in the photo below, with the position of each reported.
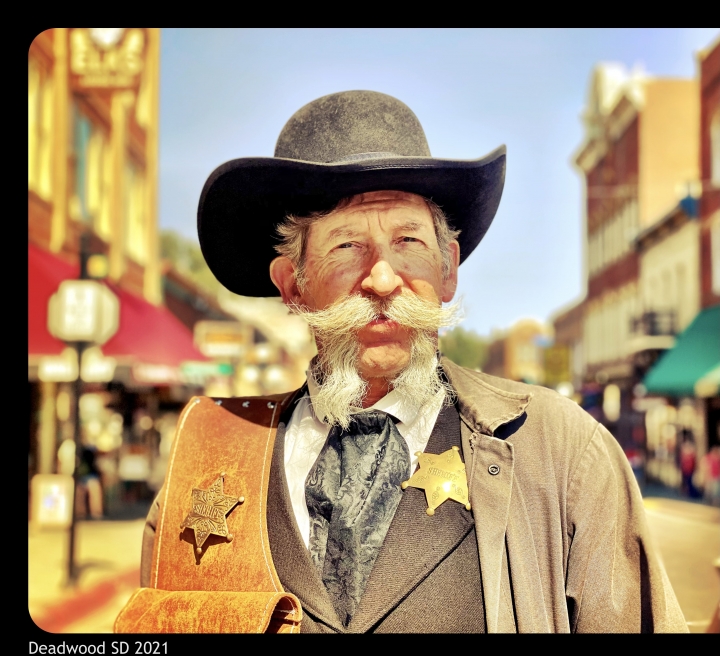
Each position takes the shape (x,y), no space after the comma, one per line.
(688,462)
(710,474)
(90,491)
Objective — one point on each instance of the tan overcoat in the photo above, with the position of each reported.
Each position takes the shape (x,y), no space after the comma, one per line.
(562,537)
(564,543)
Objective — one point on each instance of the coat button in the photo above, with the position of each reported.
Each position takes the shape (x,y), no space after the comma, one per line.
(494,469)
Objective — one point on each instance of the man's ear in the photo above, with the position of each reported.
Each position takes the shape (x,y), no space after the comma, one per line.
(449,284)
(282,273)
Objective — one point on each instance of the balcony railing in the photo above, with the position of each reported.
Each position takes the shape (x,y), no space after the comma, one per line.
(655,323)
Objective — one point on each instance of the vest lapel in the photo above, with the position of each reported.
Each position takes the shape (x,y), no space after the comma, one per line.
(415,543)
(292,559)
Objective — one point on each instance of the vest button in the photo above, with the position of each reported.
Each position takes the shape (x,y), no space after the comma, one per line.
(494,470)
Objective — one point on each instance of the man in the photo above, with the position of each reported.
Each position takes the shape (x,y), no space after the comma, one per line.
(406,493)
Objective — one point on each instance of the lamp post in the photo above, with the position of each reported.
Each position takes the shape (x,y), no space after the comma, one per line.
(82,312)
(80,346)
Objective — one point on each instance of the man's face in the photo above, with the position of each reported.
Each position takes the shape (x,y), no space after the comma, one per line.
(380,245)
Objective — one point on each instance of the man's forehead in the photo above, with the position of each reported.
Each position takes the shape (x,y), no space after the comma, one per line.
(404,208)
(386,196)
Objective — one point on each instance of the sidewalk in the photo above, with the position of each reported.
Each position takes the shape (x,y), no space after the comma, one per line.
(108,554)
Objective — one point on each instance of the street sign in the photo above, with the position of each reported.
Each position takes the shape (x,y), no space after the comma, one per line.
(83,311)
(61,368)
(95,367)
(557,365)
(52,496)
(222,339)
(106,57)
(198,373)
(156,374)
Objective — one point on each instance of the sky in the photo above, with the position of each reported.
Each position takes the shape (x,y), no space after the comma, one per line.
(226,93)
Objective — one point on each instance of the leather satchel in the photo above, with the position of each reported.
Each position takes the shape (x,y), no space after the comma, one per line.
(229,585)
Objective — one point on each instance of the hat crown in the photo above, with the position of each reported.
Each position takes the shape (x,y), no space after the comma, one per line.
(342,125)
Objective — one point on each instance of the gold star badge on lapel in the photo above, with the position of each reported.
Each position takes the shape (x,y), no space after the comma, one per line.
(442,476)
(209,508)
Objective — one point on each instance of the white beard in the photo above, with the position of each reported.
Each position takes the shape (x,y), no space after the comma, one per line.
(341,389)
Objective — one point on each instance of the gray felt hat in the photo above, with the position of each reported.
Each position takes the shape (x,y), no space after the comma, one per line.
(336,146)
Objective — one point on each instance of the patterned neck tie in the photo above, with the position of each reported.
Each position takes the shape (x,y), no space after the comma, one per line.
(352,492)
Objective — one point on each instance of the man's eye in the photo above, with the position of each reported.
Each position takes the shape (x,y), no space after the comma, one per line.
(345,245)
(409,239)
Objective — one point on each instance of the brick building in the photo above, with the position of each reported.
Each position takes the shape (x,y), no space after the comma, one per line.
(640,151)
(709,65)
(93,150)
(92,171)
(517,353)
(568,329)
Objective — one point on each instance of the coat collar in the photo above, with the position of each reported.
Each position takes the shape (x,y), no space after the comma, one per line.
(483,407)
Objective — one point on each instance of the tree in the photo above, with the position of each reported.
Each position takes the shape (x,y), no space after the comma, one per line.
(464,347)
(187,258)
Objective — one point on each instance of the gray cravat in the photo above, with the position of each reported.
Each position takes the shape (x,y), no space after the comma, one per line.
(352,493)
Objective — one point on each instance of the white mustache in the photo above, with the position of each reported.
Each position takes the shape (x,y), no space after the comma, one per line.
(341,390)
(355,312)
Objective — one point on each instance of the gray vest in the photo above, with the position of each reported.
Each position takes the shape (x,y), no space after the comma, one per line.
(426,578)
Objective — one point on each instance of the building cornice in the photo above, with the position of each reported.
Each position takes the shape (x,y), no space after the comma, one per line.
(671,222)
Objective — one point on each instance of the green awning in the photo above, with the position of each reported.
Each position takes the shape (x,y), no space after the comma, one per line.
(695,355)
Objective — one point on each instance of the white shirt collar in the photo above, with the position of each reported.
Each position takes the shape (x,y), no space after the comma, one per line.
(404,410)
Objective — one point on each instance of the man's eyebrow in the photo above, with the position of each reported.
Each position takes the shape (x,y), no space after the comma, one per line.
(341,231)
(345,232)
(409,226)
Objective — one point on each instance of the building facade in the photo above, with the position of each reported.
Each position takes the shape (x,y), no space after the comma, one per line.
(92,180)
(709,67)
(568,348)
(93,149)
(639,154)
(518,352)
(650,333)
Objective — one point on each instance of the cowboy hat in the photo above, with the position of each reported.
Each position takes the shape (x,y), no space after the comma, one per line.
(334,147)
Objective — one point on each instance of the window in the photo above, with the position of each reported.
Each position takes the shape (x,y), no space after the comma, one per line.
(715,148)
(82,131)
(40,112)
(134,213)
(715,252)
(90,199)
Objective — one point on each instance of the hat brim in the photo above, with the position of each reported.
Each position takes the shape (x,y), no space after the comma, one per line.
(245,199)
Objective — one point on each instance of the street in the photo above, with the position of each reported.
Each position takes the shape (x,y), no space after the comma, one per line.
(108,553)
(688,536)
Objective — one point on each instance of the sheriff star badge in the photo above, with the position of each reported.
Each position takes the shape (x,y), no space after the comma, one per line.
(442,476)
(209,510)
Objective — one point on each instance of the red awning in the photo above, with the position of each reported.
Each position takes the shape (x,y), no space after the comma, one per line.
(146,334)
(45,273)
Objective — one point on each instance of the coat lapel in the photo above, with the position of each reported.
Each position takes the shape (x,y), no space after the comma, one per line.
(415,543)
(490,480)
(291,558)
(490,499)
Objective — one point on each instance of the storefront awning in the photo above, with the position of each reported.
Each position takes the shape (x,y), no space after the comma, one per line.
(147,335)
(695,355)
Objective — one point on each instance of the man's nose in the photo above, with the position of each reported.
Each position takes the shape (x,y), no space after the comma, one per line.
(382,279)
